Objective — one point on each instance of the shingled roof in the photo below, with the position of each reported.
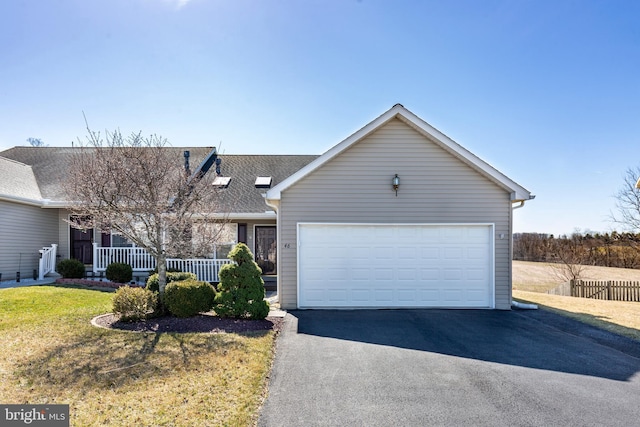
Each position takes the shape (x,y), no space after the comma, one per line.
(18,182)
(243,171)
(49,165)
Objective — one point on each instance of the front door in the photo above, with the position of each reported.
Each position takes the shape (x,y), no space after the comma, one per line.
(81,245)
(266,249)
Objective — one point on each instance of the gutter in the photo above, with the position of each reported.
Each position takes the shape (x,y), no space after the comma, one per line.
(21,200)
(521,201)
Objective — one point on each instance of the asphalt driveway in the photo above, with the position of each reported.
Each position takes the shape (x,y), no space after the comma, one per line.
(450,367)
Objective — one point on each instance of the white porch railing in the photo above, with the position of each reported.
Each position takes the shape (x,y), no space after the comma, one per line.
(205,269)
(141,261)
(138,258)
(47,261)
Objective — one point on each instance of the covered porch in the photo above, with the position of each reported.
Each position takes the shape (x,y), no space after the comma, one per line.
(206,269)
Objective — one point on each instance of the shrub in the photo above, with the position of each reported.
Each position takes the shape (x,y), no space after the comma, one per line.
(152,281)
(188,297)
(71,269)
(241,288)
(169,270)
(119,272)
(133,304)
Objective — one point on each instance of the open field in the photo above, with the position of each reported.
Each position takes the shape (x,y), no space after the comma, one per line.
(51,354)
(540,276)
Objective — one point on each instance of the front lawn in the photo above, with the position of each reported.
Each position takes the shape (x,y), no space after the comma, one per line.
(51,354)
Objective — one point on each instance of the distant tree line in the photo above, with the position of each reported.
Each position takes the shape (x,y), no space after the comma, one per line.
(608,250)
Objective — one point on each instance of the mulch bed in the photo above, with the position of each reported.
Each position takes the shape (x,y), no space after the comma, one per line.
(95,283)
(200,323)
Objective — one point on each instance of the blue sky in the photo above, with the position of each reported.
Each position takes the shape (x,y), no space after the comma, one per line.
(548,92)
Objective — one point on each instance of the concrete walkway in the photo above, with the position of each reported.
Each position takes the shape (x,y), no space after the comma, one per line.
(26,282)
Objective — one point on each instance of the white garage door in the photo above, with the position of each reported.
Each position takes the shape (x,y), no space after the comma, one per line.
(400,265)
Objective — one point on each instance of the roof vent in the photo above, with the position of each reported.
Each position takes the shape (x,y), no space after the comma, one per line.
(263,182)
(221,181)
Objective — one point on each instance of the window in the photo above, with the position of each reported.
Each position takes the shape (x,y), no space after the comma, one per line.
(214,239)
(118,241)
(222,251)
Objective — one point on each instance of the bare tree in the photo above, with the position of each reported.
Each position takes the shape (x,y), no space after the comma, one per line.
(628,201)
(570,256)
(137,187)
(36,142)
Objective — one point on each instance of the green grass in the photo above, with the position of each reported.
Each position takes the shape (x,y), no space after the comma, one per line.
(51,354)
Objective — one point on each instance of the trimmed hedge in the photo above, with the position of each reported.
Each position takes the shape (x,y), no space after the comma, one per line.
(187,298)
(119,272)
(152,281)
(71,269)
(241,288)
(133,304)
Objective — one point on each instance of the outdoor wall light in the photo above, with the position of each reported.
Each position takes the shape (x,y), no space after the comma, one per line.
(395,182)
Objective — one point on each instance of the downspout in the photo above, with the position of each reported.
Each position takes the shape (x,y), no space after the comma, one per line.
(523,306)
(519,206)
(517,304)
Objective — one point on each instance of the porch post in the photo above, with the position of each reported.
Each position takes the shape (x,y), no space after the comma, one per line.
(95,258)
(41,265)
(54,254)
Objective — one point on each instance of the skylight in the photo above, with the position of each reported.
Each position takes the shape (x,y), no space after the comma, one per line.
(263,182)
(221,181)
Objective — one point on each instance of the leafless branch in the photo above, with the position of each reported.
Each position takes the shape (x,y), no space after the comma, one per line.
(628,201)
(137,187)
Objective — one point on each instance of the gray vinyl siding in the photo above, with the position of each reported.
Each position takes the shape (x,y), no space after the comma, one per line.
(24,230)
(355,187)
(64,234)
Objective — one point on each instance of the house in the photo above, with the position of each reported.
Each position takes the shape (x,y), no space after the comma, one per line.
(396,215)
(34,213)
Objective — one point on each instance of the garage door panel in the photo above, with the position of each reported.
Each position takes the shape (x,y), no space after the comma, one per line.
(383,295)
(431,234)
(475,295)
(314,295)
(315,274)
(407,274)
(384,233)
(452,295)
(455,253)
(430,253)
(452,274)
(429,297)
(360,295)
(360,274)
(348,265)
(383,274)
(430,274)
(383,253)
(337,295)
(406,295)
(476,253)
(476,274)
(336,274)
